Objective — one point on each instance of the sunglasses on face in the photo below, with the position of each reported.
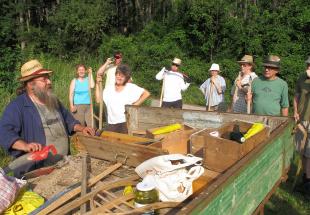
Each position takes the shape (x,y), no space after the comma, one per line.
(117,56)
(175,65)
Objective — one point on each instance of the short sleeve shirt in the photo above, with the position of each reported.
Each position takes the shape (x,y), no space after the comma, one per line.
(269,96)
(302,89)
(116,101)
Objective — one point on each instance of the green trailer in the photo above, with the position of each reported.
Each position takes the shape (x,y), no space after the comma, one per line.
(246,186)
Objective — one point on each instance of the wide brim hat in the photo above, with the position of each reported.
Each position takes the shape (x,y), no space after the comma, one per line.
(272,61)
(177,61)
(32,69)
(214,67)
(246,59)
(308,61)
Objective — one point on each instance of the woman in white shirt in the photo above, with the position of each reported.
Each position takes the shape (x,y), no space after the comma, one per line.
(121,94)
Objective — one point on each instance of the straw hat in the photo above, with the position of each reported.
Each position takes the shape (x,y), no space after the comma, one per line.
(214,67)
(308,60)
(177,61)
(32,69)
(272,61)
(246,59)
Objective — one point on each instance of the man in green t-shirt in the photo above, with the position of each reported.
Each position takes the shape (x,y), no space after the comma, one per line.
(302,115)
(269,92)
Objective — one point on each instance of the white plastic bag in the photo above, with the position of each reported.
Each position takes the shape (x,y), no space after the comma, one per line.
(172,175)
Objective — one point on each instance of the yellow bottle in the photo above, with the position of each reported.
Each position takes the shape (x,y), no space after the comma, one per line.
(167,129)
(256,127)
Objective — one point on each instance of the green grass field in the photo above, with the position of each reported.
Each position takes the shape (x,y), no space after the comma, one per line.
(284,201)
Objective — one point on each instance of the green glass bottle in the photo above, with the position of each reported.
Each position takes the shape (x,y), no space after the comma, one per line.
(146,194)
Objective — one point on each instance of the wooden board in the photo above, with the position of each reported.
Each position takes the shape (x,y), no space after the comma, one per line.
(127,153)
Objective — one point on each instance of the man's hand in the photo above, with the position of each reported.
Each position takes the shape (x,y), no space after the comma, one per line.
(32,147)
(109,61)
(89,131)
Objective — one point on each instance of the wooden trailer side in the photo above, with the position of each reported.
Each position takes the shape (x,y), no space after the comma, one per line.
(243,188)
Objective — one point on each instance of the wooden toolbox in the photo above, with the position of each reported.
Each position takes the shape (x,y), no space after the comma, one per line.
(175,141)
(220,152)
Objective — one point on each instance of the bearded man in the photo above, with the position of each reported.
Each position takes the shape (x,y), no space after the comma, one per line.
(34,119)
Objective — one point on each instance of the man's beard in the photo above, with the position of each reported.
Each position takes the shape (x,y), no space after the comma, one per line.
(47,97)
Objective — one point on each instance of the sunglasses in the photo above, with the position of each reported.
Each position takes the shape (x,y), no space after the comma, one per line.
(117,56)
(175,65)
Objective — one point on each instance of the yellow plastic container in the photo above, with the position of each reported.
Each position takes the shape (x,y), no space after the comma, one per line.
(167,129)
(256,127)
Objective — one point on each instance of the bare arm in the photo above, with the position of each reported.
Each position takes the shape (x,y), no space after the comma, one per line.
(97,88)
(71,94)
(26,147)
(142,98)
(284,111)
(102,69)
(91,78)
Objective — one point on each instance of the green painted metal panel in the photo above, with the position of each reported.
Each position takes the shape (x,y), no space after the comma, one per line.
(243,194)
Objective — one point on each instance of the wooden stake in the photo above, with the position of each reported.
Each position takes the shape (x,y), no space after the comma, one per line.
(249,91)
(84,181)
(210,95)
(100,105)
(90,78)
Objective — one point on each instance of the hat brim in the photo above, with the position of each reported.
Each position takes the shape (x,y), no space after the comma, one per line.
(34,75)
(271,65)
(248,62)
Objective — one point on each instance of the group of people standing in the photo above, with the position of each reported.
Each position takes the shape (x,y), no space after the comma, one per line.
(36,118)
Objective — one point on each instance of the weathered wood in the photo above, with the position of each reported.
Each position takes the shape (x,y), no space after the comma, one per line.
(122,138)
(84,181)
(69,195)
(76,203)
(130,153)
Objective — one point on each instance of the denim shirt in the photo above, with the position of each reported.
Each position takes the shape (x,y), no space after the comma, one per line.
(21,121)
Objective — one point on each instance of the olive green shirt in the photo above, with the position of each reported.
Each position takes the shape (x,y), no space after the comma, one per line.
(302,90)
(269,96)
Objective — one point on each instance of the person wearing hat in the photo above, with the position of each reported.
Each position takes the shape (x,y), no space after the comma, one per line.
(269,93)
(242,84)
(302,116)
(213,89)
(109,69)
(34,119)
(173,84)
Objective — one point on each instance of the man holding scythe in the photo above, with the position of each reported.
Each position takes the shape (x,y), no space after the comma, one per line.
(174,82)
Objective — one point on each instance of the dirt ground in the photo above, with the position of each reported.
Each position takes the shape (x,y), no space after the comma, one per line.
(70,173)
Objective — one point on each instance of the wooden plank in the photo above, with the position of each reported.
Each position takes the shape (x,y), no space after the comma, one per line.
(113,204)
(69,195)
(130,154)
(122,138)
(132,180)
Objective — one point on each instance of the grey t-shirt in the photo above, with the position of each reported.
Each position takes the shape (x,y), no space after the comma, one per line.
(54,130)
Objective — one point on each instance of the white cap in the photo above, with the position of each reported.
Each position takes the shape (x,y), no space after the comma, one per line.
(215,67)
(145,186)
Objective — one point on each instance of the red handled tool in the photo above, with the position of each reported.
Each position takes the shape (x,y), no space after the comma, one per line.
(41,155)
